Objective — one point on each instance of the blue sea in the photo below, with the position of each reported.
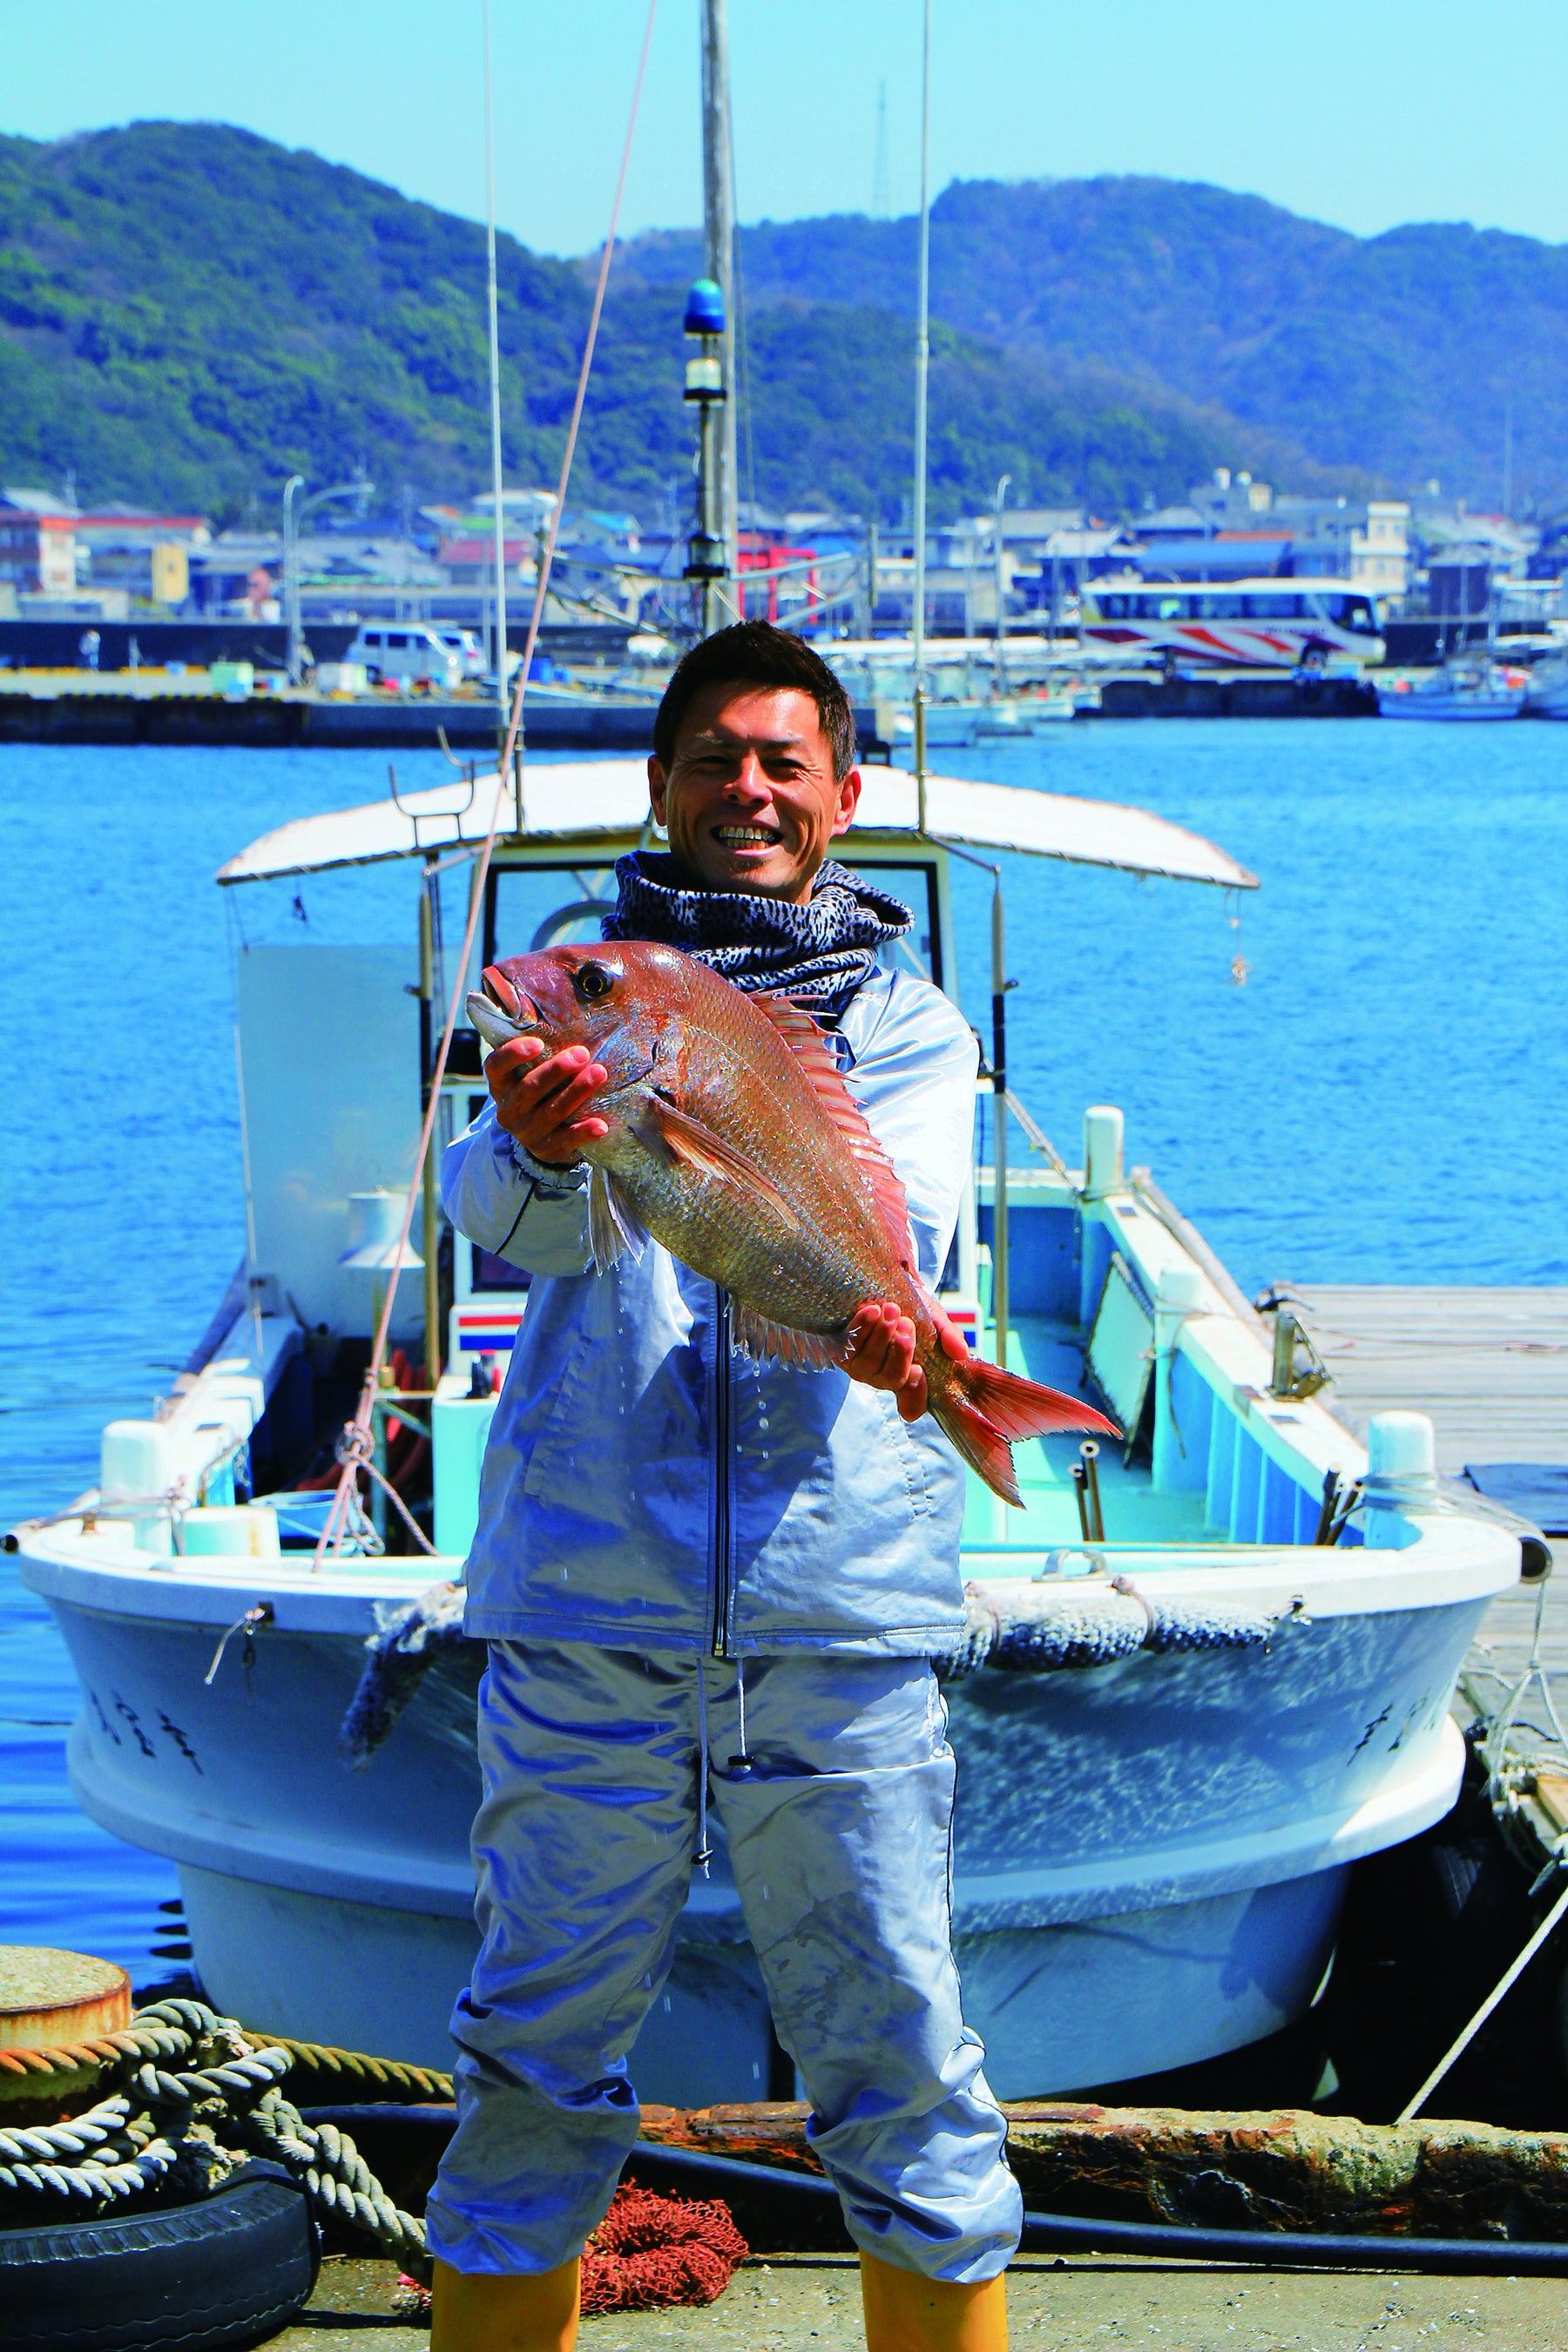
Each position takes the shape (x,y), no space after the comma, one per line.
(1381,1097)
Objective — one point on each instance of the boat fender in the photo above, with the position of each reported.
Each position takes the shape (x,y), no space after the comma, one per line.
(399,1654)
(236,2266)
(1047,1632)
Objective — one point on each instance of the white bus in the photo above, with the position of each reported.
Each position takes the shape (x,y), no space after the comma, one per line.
(1237,623)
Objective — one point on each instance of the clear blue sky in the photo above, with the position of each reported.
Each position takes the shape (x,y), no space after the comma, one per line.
(1364,112)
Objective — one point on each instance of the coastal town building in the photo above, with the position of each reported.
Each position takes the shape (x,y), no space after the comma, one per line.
(148,555)
(38,543)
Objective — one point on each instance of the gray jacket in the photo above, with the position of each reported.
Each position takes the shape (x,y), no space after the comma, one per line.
(647,1487)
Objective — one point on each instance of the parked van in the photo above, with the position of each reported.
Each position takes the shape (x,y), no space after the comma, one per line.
(466,645)
(409,651)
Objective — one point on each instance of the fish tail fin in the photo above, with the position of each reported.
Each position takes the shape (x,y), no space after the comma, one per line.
(985,1411)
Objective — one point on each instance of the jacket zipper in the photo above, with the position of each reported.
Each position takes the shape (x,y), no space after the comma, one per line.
(721,1466)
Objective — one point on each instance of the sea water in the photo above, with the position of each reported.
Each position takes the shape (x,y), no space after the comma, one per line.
(1355,1074)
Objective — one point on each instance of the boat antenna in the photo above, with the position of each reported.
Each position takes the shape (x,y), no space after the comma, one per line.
(922,370)
(499,559)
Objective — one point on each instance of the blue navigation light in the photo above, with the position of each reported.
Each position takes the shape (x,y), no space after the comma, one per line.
(705,308)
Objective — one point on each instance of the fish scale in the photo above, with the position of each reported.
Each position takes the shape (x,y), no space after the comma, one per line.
(734,1141)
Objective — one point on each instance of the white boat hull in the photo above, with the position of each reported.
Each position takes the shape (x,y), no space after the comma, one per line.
(1149,1856)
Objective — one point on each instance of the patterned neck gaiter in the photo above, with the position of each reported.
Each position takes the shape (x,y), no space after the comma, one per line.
(818,954)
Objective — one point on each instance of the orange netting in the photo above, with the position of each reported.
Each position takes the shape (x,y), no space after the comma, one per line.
(650,2250)
(647,2253)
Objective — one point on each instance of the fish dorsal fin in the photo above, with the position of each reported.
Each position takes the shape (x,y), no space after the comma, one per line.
(816,1060)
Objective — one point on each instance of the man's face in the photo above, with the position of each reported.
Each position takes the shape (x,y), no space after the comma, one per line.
(750,801)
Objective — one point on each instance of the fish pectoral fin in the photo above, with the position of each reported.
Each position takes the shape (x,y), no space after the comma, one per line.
(614,1229)
(757,1335)
(692,1142)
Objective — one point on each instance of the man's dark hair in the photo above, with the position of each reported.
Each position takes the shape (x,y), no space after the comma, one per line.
(754,653)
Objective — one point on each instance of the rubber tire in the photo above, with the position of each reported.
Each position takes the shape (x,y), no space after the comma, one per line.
(227,2272)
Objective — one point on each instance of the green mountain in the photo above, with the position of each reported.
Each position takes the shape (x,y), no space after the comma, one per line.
(1401,353)
(189,313)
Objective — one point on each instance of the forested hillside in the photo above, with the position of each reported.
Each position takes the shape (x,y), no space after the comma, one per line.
(189,313)
(1398,354)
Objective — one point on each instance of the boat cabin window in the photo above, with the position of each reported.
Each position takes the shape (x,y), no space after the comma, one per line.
(533,906)
(921,952)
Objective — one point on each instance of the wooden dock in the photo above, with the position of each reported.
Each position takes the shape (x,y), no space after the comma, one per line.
(1491,1367)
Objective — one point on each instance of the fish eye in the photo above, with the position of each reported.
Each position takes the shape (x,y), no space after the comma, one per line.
(591,980)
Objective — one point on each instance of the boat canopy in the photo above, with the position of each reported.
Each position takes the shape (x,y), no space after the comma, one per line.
(586,802)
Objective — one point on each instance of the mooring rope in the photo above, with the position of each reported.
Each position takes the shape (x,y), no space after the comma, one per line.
(331,1533)
(194,2096)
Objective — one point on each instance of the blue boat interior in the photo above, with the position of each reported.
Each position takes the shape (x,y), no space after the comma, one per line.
(1219,1484)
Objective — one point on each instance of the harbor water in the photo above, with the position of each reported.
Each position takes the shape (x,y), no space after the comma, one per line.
(1355,1075)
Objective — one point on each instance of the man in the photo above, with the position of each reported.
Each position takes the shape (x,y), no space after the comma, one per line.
(709,1582)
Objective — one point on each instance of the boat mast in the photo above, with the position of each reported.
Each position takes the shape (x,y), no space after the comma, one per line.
(719,263)
(922,369)
(503,701)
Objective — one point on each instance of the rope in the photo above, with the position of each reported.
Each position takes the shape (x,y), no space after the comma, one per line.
(1504,1985)
(356,1449)
(194,2097)
(331,1536)
(391,2073)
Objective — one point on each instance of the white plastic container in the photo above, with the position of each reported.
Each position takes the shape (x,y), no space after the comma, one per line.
(240,1530)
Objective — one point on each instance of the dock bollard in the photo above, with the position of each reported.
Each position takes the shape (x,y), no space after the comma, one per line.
(48,1997)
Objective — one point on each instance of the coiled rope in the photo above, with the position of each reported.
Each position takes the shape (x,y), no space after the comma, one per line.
(194,2097)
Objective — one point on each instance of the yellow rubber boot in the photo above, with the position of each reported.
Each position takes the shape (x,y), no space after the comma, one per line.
(906,2313)
(490,2311)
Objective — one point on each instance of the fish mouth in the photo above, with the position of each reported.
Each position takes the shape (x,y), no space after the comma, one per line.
(501,1012)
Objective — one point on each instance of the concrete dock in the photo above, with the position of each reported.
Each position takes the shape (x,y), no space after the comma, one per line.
(1490,1365)
(811,2302)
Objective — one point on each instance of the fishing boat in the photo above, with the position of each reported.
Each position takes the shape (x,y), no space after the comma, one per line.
(1546,695)
(985,719)
(1466,687)
(1203,1672)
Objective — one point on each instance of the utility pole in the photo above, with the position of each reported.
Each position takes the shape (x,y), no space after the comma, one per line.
(719,264)
(1001,588)
(293,657)
(294,512)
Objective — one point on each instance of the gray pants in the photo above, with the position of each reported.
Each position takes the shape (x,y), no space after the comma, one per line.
(837,1806)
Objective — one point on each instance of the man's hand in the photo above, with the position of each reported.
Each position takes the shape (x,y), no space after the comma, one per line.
(538,1097)
(881,1339)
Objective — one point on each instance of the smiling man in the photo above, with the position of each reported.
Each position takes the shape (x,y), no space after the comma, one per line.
(712,1586)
